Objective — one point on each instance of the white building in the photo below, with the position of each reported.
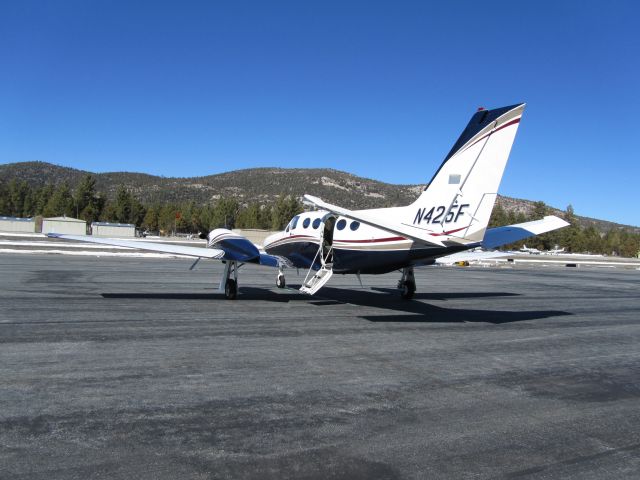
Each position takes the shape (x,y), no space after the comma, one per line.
(106,229)
(17,225)
(68,225)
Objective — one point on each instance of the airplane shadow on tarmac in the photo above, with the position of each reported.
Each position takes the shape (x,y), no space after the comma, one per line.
(414,311)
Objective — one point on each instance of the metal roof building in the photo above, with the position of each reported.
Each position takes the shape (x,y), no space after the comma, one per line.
(68,225)
(17,225)
(106,229)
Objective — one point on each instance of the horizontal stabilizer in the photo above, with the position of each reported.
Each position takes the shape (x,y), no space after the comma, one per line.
(495,237)
(149,246)
(470,257)
(365,217)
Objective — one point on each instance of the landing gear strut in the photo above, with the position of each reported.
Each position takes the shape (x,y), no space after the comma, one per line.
(230,280)
(407,284)
(280,281)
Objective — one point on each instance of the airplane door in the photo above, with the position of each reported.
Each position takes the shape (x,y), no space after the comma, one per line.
(328,224)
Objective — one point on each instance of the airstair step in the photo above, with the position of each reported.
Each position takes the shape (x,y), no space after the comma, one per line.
(316,282)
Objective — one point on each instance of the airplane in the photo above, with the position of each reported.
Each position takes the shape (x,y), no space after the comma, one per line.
(448,220)
(555,251)
(533,251)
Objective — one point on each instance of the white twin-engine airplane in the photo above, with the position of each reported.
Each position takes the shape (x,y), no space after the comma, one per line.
(446,222)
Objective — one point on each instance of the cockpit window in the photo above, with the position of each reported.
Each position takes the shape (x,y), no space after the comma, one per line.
(306,222)
(294,221)
(316,223)
(354,226)
(341,224)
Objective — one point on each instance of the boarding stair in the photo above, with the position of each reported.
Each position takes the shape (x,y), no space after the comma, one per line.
(315,283)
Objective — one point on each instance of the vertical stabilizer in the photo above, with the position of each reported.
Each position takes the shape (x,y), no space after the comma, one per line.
(458,201)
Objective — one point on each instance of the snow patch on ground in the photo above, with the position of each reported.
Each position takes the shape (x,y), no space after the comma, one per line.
(15,234)
(94,253)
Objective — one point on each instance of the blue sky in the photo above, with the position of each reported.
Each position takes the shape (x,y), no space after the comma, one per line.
(378,89)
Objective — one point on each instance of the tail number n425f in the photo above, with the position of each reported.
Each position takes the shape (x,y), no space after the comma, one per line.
(437,214)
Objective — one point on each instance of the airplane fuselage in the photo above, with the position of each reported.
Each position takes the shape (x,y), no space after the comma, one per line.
(355,247)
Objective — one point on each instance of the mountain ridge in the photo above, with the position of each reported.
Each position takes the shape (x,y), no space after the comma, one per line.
(261,184)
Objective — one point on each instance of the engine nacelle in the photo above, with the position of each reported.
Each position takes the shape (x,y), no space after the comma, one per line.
(236,247)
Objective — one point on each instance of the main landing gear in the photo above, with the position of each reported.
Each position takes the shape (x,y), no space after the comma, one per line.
(230,280)
(407,284)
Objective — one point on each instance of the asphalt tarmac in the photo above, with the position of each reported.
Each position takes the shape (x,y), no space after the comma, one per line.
(123,368)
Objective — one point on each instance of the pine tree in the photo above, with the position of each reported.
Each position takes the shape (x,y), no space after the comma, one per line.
(540,210)
(88,203)
(249,217)
(224,213)
(43,195)
(126,208)
(151,218)
(498,216)
(4,201)
(571,235)
(61,203)
(284,210)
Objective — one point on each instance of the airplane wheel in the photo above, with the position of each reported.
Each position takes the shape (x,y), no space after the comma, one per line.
(231,289)
(280,281)
(408,289)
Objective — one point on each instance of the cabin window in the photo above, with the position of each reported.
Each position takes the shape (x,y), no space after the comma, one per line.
(454,179)
(306,222)
(354,226)
(294,221)
(341,224)
(316,223)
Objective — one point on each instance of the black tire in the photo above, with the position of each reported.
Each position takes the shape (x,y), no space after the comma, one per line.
(231,289)
(408,289)
(281,282)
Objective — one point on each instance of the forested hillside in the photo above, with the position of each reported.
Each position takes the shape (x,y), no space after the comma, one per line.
(255,198)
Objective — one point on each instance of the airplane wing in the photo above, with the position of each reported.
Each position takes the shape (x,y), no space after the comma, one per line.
(494,237)
(150,246)
(396,228)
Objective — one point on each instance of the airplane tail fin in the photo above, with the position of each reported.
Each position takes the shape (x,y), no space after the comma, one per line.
(458,201)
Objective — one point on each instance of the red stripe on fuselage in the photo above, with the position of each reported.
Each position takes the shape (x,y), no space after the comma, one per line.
(447,233)
(372,240)
(396,239)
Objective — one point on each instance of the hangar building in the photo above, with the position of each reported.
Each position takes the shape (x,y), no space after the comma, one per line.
(15,224)
(68,225)
(106,229)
